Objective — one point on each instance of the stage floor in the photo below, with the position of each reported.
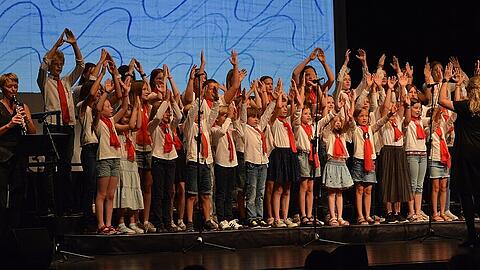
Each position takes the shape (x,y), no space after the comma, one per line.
(431,254)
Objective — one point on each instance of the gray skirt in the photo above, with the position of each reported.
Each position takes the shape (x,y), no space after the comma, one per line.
(306,166)
(395,182)
(336,175)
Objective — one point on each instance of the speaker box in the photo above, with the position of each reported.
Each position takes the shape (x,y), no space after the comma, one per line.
(28,249)
(351,257)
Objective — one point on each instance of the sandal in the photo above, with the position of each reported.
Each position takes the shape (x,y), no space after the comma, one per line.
(103,230)
(305,221)
(370,220)
(333,222)
(361,221)
(445,217)
(313,221)
(437,218)
(343,222)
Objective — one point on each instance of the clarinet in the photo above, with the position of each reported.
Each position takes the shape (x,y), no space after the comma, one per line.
(17,108)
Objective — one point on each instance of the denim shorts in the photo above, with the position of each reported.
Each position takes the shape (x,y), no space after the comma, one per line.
(438,170)
(358,172)
(144,159)
(306,166)
(108,167)
(203,185)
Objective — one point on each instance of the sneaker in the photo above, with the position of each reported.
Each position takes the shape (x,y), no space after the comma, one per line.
(253,224)
(149,228)
(224,225)
(171,227)
(189,227)
(279,224)
(378,219)
(412,218)
(181,225)
(263,223)
(390,218)
(174,227)
(451,215)
(234,225)
(290,224)
(125,230)
(424,216)
(210,225)
(296,219)
(134,227)
(400,218)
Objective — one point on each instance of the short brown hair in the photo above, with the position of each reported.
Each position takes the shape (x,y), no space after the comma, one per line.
(8,76)
(254,112)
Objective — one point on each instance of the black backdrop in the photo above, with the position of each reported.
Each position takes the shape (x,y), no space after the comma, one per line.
(411,30)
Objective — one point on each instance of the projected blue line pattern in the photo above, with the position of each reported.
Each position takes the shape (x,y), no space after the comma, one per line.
(271,36)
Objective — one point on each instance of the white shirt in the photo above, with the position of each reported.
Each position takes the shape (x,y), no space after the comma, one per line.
(105,151)
(158,134)
(329,138)
(359,140)
(388,133)
(87,135)
(280,133)
(48,87)
(220,143)
(302,140)
(253,139)
(412,143)
(191,131)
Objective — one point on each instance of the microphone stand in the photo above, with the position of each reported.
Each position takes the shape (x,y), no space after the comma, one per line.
(430,231)
(314,141)
(199,240)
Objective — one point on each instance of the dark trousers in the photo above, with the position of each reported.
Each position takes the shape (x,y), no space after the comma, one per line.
(470,205)
(225,180)
(58,187)
(12,182)
(88,157)
(163,173)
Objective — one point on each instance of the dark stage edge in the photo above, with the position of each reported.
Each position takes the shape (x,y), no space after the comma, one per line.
(254,238)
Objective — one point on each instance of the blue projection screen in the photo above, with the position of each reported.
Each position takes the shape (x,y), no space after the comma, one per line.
(271,36)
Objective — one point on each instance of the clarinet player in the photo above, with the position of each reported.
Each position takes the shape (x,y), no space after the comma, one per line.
(14,117)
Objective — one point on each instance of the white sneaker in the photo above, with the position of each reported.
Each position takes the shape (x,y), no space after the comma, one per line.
(181,225)
(290,224)
(124,229)
(174,227)
(451,215)
(234,224)
(135,228)
(224,225)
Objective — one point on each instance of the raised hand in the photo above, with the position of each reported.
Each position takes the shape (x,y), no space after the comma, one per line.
(321,55)
(126,85)
(476,72)
(313,54)
(166,72)
(202,59)
(111,66)
(458,76)
(395,64)
(392,80)
(427,71)
(381,61)
(409,70)
(70,37)
(369,79)
(139,67)
(347,57)
(109,86)
(403,79)
(243,73)
(448,73)
(234,58)
(455,62)
(192,72)
(362,56)
(60,40)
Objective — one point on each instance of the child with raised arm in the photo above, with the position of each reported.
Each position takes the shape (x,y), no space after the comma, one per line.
(199,159)
(128,197)
(336,176)
(108,157)
(256,158)
(57,95)
(309,162)
(283,167)
(165,144)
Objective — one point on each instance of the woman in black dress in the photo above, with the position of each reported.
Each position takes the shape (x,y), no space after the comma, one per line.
(465,170)
(11,172)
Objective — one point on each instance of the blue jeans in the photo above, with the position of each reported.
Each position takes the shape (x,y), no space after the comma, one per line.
(88,156)
(255,189)
(418,168)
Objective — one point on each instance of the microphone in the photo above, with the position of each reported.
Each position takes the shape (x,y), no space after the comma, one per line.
(318,80)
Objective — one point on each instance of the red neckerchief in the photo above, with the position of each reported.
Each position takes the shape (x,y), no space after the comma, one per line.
(367,150)
(291,137)
(308,129)
(113,136)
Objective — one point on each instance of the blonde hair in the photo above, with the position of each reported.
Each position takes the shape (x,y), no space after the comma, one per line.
(59,56)
(473,94)
(8,76)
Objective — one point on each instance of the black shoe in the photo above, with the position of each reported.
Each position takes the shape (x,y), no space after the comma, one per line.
(253,224)
(210,225)
(390,218)
(400,218)
(161,228)
(190,227)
